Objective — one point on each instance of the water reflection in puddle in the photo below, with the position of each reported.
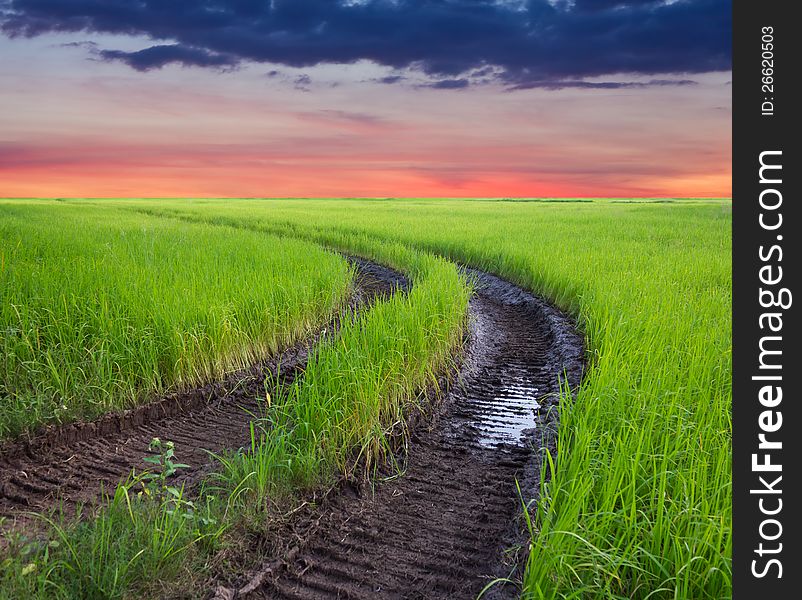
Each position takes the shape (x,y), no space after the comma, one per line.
(505,416)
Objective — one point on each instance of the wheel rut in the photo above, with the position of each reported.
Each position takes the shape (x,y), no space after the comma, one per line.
(444,528)
(71,465)
(451,523)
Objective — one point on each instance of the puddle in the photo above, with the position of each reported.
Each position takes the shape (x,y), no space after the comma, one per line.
(436,532)
(508,413)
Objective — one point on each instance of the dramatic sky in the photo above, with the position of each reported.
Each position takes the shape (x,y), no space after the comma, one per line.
(365,98)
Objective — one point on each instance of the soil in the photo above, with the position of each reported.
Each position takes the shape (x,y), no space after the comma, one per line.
(451,523)
(446,526)
(70,465)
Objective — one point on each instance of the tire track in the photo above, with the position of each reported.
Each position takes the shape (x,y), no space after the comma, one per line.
(68,466)
(450,524)
(444,529)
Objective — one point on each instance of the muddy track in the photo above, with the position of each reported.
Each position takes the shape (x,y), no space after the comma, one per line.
(451,523)
(65,466)
(443,529)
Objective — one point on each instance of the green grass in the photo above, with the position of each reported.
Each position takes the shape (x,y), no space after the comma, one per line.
(357,389)
(639,501)
(639,504)
(100,310)
(344,414)
(139,544)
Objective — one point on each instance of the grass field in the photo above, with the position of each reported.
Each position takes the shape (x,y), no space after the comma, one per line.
(638,504)
(101,311)
(355,393)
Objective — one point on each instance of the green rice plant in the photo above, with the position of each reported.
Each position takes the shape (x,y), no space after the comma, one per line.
(351,403)
(639,501)
(102,310)
(357,388)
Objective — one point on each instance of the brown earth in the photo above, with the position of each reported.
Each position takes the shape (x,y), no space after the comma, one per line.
(445,527)
(451,523)
(67,465)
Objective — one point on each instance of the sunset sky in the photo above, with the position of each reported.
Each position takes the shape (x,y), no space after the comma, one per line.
(451,98)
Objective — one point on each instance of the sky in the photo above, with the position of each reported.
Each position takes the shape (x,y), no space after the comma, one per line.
(365,98)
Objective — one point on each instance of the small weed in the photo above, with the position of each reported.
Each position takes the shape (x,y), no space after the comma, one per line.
(163,458)
(156,485)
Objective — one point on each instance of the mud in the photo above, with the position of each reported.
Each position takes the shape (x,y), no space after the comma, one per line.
(445,527)
(451,523)
(70,465)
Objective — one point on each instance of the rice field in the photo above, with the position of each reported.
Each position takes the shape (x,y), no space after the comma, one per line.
(101,311)
(637,502)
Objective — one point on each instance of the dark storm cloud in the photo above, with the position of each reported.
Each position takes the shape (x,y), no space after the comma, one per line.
(449,84)
(390,79)
(158,56)
(600,85)
(532,43)
(594,5)
(87,45)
